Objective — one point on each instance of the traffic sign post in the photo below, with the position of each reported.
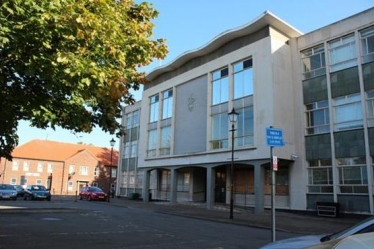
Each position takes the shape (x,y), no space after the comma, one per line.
(274,138)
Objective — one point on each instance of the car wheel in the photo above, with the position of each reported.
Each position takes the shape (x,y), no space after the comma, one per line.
(89,198)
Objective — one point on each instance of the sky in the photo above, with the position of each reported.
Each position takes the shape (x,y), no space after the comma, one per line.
(190,24)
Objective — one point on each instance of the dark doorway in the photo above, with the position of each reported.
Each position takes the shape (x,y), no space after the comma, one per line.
(220,187)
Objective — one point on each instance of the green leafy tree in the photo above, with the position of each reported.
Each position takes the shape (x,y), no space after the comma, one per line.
(71,63)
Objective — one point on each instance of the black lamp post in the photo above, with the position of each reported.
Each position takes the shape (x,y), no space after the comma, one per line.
(112,143)
(233,116)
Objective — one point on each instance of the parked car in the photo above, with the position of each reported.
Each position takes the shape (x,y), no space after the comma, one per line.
(37,192)
(360,240)
(93,194)
(365,226)
(20,190)
(7,192)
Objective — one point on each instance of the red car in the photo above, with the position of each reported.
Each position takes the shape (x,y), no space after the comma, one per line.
(93,194)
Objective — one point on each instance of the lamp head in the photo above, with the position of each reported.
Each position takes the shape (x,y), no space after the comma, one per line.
(233,115)
(112,142)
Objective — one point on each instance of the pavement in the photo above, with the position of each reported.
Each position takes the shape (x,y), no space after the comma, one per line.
(285,220)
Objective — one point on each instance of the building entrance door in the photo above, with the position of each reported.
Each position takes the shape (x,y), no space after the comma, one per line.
(220,187)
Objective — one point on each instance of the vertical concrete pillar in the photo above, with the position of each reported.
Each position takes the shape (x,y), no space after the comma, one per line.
(259,174)
(145,190)
(210,187)
(173,186)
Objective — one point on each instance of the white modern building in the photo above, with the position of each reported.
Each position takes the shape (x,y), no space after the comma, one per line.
(317,88)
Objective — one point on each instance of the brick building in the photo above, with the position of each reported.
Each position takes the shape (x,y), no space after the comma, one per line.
(63,167)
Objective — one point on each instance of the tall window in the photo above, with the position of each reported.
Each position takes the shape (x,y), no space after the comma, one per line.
(15,165)
(134,149)
(49,168)
(348,112)
(367,45)
(97,171)
(71,169)
(13,181)
(127,150)
(314,62)
(320,178)
(154,108)
(317,117)
(370,108)
(220,130)
(343,53)
(165,140)
(245,123)
(26,166)
(220,86)
(167,104)
(352,175)
(83,170)
(132,119)
(152,143)
(38,182)
(40,167)
(243,79)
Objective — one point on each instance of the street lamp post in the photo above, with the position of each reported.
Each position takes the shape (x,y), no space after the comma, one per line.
(233,116)
(112,143)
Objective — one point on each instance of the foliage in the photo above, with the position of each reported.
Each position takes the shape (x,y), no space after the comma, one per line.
(71,63)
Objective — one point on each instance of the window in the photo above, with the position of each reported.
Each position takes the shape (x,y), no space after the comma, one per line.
(220,130)
(313,62)
(132,119)
(367,45)
(320,176)
(40,167)
(243,79)
(167,104)
(220,86)
(83,170)
(165,140)
(71,169)
(352,175)
(70,185)
(342,53)
(317,117)
(127,150)
(113,172)
(348,112)
(38,182)
(134,149)
(183,182)
(26,166)
(152,142)
(97,171)
(13,181)
(154,108)
(370,108)
(244,126)
(49,168)
(15,165)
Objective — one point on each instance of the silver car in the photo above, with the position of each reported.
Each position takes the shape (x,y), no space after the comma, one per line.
(365,226)
(8,192)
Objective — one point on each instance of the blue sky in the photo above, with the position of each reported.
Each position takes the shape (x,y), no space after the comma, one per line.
(190,24)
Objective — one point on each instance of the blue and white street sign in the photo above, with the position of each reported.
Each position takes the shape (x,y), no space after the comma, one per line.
(274,137)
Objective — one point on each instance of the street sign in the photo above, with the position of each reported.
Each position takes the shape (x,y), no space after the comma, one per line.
(274,137)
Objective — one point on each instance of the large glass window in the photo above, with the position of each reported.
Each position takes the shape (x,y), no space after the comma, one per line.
(370,108)
(220,86)
(165,140)
(152,143)
(317,117)
(244,127)
(127,150)
(167,104)
(348,112)
(367,45)
(134,149)
(352,175)
(132,119)
(343,53)
(243,79)
(320,178)
(220,129)
(154,108)
(313,61)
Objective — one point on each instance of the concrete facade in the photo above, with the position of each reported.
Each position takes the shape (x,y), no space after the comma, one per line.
(183,155)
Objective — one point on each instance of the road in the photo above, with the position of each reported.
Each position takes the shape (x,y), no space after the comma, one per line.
(83,224)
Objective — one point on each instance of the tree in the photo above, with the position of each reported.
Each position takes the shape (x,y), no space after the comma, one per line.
(71,63)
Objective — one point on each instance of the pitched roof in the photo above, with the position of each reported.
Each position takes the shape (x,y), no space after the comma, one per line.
(57,151)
